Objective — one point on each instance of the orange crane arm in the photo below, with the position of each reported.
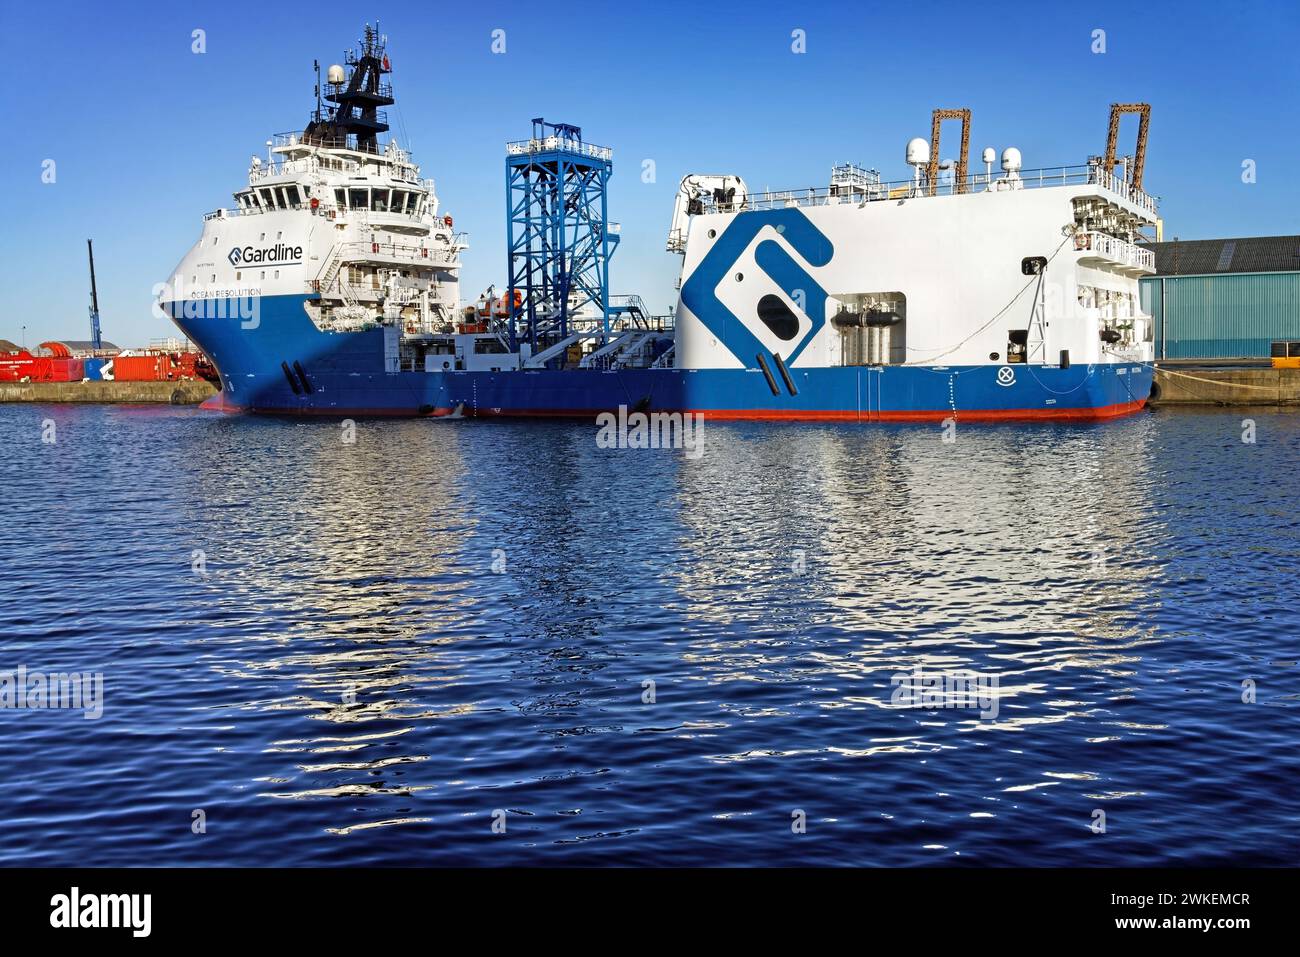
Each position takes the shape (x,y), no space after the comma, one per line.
(1112,139)
(932,171)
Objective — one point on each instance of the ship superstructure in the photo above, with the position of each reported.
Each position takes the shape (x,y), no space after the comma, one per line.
(334,266)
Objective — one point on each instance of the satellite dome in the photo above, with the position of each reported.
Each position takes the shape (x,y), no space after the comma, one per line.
(918,152)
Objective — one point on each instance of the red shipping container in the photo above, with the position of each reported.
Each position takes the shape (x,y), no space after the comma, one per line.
(67,370)
(49,369)
(149,368)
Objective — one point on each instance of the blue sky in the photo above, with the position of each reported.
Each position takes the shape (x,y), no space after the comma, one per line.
(147,136)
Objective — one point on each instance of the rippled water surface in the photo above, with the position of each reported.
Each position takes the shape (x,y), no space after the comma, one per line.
(393,642)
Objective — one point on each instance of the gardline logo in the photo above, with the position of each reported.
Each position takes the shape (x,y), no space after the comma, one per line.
(279,253)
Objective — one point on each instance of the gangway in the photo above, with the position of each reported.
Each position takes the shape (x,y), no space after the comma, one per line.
(558,349)
(610,347)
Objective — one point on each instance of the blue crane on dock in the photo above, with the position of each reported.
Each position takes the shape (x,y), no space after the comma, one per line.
(96,336)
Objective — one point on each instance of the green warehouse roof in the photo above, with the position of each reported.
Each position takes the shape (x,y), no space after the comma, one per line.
(1249,254)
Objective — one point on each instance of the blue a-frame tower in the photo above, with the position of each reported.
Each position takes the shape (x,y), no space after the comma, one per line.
(557,230)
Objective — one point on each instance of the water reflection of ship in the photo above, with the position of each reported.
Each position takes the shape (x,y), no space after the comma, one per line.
(356,584)
(1011,551)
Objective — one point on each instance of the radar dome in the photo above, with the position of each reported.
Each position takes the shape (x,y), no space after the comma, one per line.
(335,74)
(990,155)
(1011,160)
(918,152)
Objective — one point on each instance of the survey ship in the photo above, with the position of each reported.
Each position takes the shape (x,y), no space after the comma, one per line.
(324,287)
(331,287)
(995,295)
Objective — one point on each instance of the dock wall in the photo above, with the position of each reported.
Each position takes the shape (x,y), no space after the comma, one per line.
(171,393)
(1240,386)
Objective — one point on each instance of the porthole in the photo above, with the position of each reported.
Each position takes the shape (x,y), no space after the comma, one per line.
(713,234)
(740,277)
(993,356)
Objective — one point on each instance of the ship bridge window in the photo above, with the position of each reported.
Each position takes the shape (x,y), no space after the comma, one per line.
(290,197)
(268,198)
(340,199)
(399,201)
(412,202)
(379,200)
(358,199)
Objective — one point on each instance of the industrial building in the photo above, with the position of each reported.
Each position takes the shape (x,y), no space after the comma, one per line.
(1223,298)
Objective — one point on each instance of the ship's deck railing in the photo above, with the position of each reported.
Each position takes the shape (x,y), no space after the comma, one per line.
(903,189)
(389,150)
(1115,250)
(399,161)
(548,144)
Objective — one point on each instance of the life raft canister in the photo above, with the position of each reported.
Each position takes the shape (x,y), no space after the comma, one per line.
(1083,241)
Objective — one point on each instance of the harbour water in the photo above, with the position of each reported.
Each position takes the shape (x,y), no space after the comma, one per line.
(369,653)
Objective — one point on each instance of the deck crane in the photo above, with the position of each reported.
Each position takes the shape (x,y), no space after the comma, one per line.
(96,337)
(727,191)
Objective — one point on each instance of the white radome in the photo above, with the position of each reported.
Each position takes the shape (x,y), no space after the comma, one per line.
(918,151)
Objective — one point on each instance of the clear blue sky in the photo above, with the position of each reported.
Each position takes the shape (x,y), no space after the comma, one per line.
(148,136)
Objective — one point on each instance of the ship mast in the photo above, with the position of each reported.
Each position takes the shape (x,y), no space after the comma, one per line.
(356,121)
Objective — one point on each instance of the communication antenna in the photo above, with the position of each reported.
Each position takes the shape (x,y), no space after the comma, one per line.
(918,155)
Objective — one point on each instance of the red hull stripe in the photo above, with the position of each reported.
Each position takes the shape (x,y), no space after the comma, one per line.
(839,415)
(217,403)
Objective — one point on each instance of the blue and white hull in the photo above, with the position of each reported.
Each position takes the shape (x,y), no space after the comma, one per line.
(284,364)
(858,394)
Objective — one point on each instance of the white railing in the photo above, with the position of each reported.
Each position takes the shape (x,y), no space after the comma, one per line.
(549,143)
(979,182)
(1116,251)
(335,267)
(300,167)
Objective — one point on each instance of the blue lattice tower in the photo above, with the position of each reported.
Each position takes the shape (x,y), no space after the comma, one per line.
(557,231)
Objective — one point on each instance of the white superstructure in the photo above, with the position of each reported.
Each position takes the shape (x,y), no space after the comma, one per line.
(332,214)
(1019,266)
